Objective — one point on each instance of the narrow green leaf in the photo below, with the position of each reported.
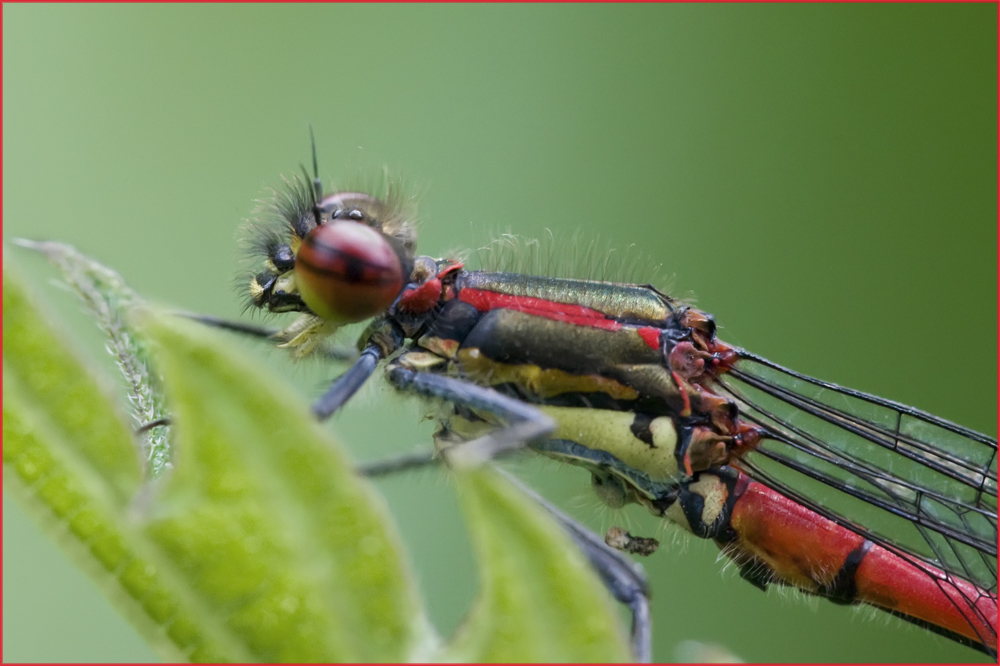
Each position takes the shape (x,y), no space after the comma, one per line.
(539,599)
(110,301)
(70,462)
(264,519)
(74,403)
(53,491)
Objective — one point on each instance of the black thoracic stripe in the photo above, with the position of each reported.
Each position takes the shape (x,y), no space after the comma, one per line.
(843,589)
(640,428)
(454,322)
(509,336)
(513,338)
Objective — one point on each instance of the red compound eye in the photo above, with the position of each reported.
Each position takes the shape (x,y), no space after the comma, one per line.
(347,272)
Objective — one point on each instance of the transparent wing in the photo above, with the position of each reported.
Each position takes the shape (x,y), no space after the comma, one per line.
(842,452)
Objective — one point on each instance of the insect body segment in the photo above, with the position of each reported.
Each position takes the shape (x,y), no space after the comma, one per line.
(636,388)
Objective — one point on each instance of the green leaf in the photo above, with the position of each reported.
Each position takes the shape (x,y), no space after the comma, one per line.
(539,598)
(59,495)
(290,553)
(70,400)
(71,463)
(110,301)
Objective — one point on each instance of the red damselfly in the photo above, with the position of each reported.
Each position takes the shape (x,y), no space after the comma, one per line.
(801,482)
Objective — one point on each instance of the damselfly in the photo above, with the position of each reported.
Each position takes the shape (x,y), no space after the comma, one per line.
(801,482)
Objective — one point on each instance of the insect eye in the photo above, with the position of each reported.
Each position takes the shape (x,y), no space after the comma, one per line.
(357,215)
(347,272)
(337,213)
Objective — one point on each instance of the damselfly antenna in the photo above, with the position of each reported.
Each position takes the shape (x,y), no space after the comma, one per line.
(317,184)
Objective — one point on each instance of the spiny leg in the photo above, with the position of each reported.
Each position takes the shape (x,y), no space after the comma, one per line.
(235,326)
(624,578)
(345,386)
(526,424)
(263,332)
(402,463)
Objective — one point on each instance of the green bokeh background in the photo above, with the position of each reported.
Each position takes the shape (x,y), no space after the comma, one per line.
(822,178)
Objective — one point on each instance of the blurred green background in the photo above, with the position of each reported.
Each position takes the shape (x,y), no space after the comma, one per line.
(822,178)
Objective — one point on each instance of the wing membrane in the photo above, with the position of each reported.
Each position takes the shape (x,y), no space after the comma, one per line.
(841,452)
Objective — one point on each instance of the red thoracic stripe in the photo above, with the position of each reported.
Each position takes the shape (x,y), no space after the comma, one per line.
(484,301)
(651,336)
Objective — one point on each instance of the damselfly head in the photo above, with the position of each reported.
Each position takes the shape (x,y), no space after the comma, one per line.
(344,259)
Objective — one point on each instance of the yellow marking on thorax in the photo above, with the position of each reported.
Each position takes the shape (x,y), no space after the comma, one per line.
(543,382)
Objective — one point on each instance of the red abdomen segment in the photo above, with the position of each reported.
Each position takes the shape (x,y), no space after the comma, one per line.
(776,539)
(818,555)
